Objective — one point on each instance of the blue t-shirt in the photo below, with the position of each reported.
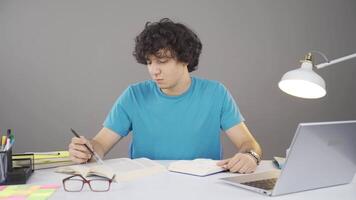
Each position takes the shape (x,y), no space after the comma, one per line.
(165,127)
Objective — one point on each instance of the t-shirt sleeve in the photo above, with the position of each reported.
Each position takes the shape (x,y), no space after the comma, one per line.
(118,119)
(230,112)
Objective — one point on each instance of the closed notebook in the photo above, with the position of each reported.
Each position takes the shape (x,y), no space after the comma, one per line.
(197,167)
(122,169)
(43,160)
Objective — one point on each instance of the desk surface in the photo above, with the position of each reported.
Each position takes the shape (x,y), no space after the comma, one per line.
(169,185)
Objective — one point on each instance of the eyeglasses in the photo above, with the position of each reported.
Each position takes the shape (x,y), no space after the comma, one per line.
(75,183)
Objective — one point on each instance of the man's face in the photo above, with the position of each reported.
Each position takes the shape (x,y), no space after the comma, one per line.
(166,71)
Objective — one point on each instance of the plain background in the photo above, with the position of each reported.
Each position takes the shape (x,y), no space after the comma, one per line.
(64,63)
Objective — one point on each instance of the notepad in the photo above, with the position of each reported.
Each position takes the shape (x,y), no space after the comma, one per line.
(31,192)
(197,167)
(122,169)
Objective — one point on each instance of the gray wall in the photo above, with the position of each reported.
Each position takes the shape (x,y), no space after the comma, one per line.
(63,63)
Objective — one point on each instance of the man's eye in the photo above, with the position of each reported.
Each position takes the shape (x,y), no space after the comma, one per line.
(148,62)
(162,61)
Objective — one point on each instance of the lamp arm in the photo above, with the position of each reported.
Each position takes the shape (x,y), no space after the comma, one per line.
(322,65)
(320,53)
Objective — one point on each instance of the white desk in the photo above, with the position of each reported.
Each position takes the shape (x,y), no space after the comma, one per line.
(170,185)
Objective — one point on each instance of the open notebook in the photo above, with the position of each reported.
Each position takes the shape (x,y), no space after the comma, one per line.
(124,169)
(198,167)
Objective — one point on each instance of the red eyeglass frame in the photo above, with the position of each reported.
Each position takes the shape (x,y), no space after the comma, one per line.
(84,181)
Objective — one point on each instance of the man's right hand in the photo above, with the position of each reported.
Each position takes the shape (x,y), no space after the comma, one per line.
(78,152)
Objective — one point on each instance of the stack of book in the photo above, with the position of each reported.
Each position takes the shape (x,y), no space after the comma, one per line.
(43,160)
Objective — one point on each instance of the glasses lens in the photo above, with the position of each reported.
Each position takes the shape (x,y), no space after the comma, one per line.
(99,185)
(73,185)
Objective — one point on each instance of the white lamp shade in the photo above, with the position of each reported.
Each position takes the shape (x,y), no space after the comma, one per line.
(303,83)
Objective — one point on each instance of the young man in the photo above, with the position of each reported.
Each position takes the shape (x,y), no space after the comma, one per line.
(173,116)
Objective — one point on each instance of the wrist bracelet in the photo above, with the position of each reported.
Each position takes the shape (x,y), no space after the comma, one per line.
(255,155)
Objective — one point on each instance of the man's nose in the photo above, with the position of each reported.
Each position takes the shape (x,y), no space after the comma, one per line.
(154,69)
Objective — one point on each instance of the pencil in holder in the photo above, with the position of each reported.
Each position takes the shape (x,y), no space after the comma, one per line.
(5,165)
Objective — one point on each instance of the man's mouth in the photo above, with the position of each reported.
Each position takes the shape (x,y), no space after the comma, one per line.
(158,80)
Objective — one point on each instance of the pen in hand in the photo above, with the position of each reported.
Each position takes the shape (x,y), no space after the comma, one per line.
(93,153)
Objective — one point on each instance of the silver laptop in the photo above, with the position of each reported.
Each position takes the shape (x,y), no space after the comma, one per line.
(321,155)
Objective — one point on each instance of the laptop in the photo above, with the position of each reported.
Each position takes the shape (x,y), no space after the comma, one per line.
(321,155)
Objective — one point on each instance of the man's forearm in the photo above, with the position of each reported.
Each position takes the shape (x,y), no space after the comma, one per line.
(247,146)
(104,141)
(98,148)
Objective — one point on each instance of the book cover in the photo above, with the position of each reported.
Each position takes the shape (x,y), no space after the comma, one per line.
(197,167)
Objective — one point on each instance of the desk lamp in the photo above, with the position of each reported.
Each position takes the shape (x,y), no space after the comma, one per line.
(304,82)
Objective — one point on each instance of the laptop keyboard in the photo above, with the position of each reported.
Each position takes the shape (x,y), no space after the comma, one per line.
(266,184)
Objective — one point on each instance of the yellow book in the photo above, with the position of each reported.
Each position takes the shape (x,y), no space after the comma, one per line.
(44,155)
(43,160)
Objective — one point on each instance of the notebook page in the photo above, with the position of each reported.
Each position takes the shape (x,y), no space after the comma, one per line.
(123,165)
(75,169)
(101,170)
(126,169)
(147,162)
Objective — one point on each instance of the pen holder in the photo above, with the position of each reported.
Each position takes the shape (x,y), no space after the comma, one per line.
(5,164)
(14,175)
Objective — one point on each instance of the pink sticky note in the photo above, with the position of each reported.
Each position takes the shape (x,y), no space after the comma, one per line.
(16,198)
(50,186)
(2,187)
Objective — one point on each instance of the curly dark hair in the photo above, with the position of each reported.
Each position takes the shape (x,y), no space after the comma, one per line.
(181,42)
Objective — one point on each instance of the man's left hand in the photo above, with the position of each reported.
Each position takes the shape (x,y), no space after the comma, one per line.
(241,163)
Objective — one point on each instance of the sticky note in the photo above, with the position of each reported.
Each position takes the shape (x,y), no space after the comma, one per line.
(11,187)
(22,192)
(50,186)
(41,193)
(15,190)
(34,188)
(44,191)
(17,187)
(36,197)
(7,192)
(16,198)
(32,192)
(2,187)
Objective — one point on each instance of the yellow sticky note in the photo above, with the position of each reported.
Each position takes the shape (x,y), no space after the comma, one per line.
(37,197)
(34,188)
(11,187)
(6,192)
(18,187)
(18,190)
(42,193)
(22,187)
(22,192)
